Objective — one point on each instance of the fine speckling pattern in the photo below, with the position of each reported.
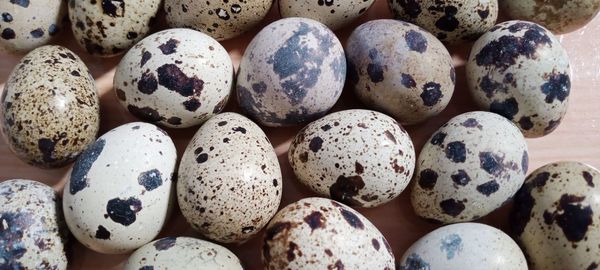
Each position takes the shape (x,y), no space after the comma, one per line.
(333,13)
(555,216)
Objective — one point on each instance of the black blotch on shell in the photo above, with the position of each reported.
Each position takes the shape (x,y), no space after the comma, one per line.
(46,147)
(78,180)
(146,55)
(165,243)
(488,188)
(123,211)
(345,188)
(431,94)
(408,81)
(557,87)
(315,144)
(456,151)
(147,83)
(352,219)
(491,163)
(102,233)
(113,8)
(8,34)
(315,220)
(589,179)
(411,7)
(438,138)
(171,77)
(571,216)
(525,123)
(192,104)
(448,22)
(507,108)
(452,207)
(523,204)
(427,179)
(461,178)
(416,41)
(151,179)
(375,68)
(174,120)
(22,3)
(145,113)
(169,47)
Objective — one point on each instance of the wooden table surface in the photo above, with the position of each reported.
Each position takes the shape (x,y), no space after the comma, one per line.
(577,138)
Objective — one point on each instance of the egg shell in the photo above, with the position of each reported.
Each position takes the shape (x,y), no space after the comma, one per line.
(319,233)
(108,28)
(469,167)
(291,73)
(229,183)
(521,71)
(49,108)
(176,78)
(452,21)
(182,253)
(558,16)
(400,69)
(555,216)
(333,13)
(119,192)
(467,246)
(358,157)
(33,234)
(219,19)
(26,25)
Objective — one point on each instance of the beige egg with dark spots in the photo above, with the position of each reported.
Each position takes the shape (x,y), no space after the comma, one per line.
(452,21)
(400,69)
(219,19)
(319,233)
(229,183)
(176,78)
(106,28)
(28,24)
(183,253)
(469,167)
(33,234)
(521,71)
(358,157)
(558,16)
(555,216)
(333,13)
(49,109)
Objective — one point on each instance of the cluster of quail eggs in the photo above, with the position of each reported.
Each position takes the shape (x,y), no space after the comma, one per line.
(124,185)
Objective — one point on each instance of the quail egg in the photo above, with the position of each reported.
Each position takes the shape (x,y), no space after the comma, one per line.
(333,13)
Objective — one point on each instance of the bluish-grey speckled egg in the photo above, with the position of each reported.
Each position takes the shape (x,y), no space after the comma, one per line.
(400,69)
(358,157)
(107,28)
(555,216)
(319,233)
(182,253)
(49,108)
(229,183)
(119,193)
(291,73)
(333,13)
(28,24)
(176,78)
(467,246)
(521,71)
(469,167)
(33,234)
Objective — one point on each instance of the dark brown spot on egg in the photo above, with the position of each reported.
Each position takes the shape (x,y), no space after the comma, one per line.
(165,243)
(171,77)
(587,176)
(352,219)
(315,144)
(345,188)
(169,47)
(488,188)
(147,83)
(315,220)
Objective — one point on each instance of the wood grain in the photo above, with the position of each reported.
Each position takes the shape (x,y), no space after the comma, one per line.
(577,138)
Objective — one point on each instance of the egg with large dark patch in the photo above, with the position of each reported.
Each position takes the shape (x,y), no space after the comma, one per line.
(33,234)
(26,25)
(333,13)
(469,167)
(119,193)
(49,108)
(555,216)
(291,73)
(521,71)
(107,28)
(318,233)
(176,78)
(400,69)
(182,253)
(358,157)
(467,246)
(558,16)
(219,19)
(229,183)
(452,21)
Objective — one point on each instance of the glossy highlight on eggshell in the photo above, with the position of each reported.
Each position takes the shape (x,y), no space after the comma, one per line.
(49,108)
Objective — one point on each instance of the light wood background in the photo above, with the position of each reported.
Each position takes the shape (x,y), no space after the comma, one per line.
(577,138)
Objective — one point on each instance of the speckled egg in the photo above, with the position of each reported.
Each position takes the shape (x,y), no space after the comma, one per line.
(229,183)
(555,216)
(358,157)
(176,78)
(469,167)
(452,21)
(558,16)
(219,19)
(110,27)
(467,246)
(333,13)
(49,109)
(32,230)
(291,73)
(119,193)
(26,25)
(400,69)
(182,253)
(520,70)
(318,233)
